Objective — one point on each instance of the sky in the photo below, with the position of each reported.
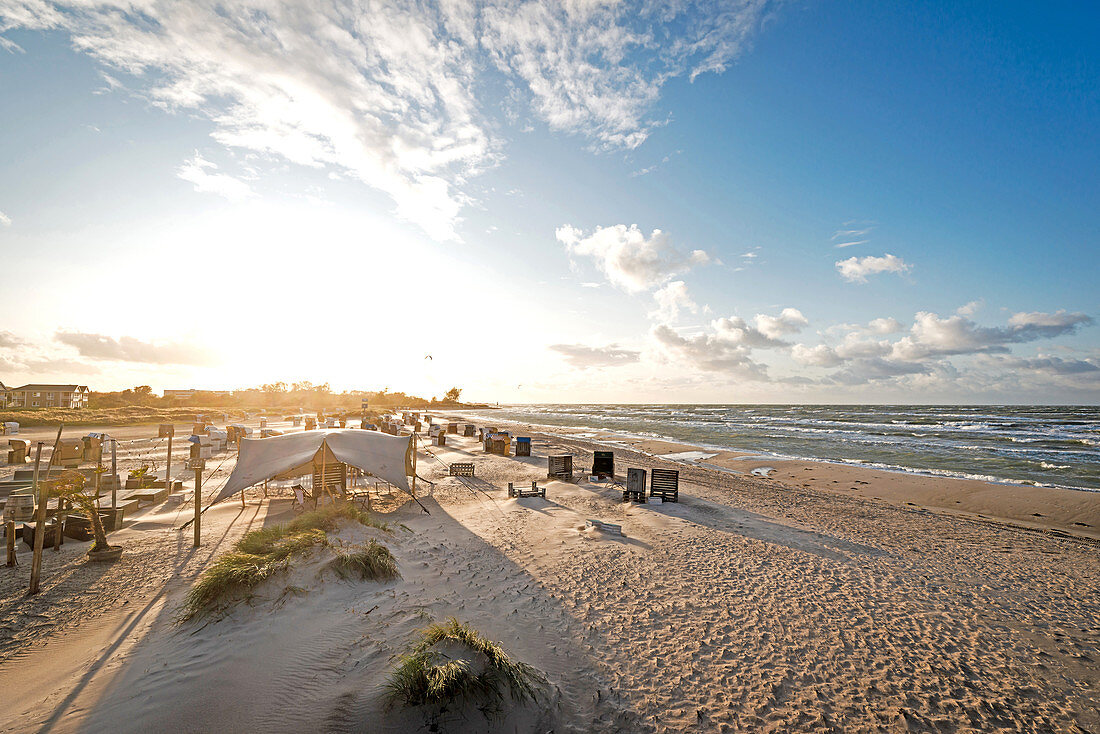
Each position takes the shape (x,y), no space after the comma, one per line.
(570,201)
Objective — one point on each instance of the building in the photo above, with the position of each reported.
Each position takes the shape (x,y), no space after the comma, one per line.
(179,394)
(48,396)
(190,394)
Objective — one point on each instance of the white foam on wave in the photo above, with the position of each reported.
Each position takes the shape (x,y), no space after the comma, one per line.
(688,456)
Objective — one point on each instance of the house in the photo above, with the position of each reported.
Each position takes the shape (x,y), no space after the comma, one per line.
(48,396)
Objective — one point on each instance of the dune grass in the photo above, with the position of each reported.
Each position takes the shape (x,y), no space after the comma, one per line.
(372,562)
(266,552)
(425,675)
(124,416)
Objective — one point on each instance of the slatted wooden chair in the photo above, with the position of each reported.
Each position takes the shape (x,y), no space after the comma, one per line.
(665,483)
(635,485)
(603,464)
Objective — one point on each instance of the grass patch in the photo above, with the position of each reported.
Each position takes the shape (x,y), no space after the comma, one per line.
(326,518)
(258,556)
(452,663)
(263,553)
(124,416)
(372,562)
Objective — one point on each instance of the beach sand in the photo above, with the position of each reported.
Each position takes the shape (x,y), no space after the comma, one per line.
(781,604)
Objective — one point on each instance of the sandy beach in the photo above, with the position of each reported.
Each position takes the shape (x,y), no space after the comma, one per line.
(817,598)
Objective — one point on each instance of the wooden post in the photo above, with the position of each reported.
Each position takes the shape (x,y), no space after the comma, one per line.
(9,530)
(114,471)
(168,465)
(414,465)
(98,474)
(40,520)
(59,524)
(198,504)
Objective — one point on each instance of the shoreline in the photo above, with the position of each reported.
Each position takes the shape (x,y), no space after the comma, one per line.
(1069,510)
(617,437)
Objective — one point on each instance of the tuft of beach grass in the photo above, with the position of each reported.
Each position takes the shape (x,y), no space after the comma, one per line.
(372,562)
(425,676)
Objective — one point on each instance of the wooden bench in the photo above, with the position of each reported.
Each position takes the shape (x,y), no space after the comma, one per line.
(462,469)
(534,491)
(604,527)
(635,485)
(150,495)
(665,483)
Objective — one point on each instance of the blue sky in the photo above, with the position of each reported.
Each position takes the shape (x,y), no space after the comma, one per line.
(560,201)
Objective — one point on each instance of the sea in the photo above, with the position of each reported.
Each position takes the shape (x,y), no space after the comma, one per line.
(1053,446)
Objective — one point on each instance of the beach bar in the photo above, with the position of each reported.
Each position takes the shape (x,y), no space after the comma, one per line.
(326,456)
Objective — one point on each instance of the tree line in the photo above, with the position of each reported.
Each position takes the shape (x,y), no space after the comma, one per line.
(291,396)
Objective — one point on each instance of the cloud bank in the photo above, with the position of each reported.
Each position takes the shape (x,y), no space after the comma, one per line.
(583,357)
(400,96)
(131,349)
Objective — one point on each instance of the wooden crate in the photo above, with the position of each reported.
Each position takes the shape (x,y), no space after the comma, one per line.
(560,466)
(462,469)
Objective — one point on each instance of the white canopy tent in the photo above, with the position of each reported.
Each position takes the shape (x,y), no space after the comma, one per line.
(391,458)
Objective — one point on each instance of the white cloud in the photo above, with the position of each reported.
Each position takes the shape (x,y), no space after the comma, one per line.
(821,355)
(399,95)
(853,233)
(1056,365)
(856,269)
(709,352)
(671,298)
(789,321)
(200,172)
(970,308)
(5,220)
(630,260)
(933,336)
(887,325)
(596,67)
(583,357)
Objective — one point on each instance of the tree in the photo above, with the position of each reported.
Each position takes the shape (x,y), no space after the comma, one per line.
(69,485)
(451,396)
